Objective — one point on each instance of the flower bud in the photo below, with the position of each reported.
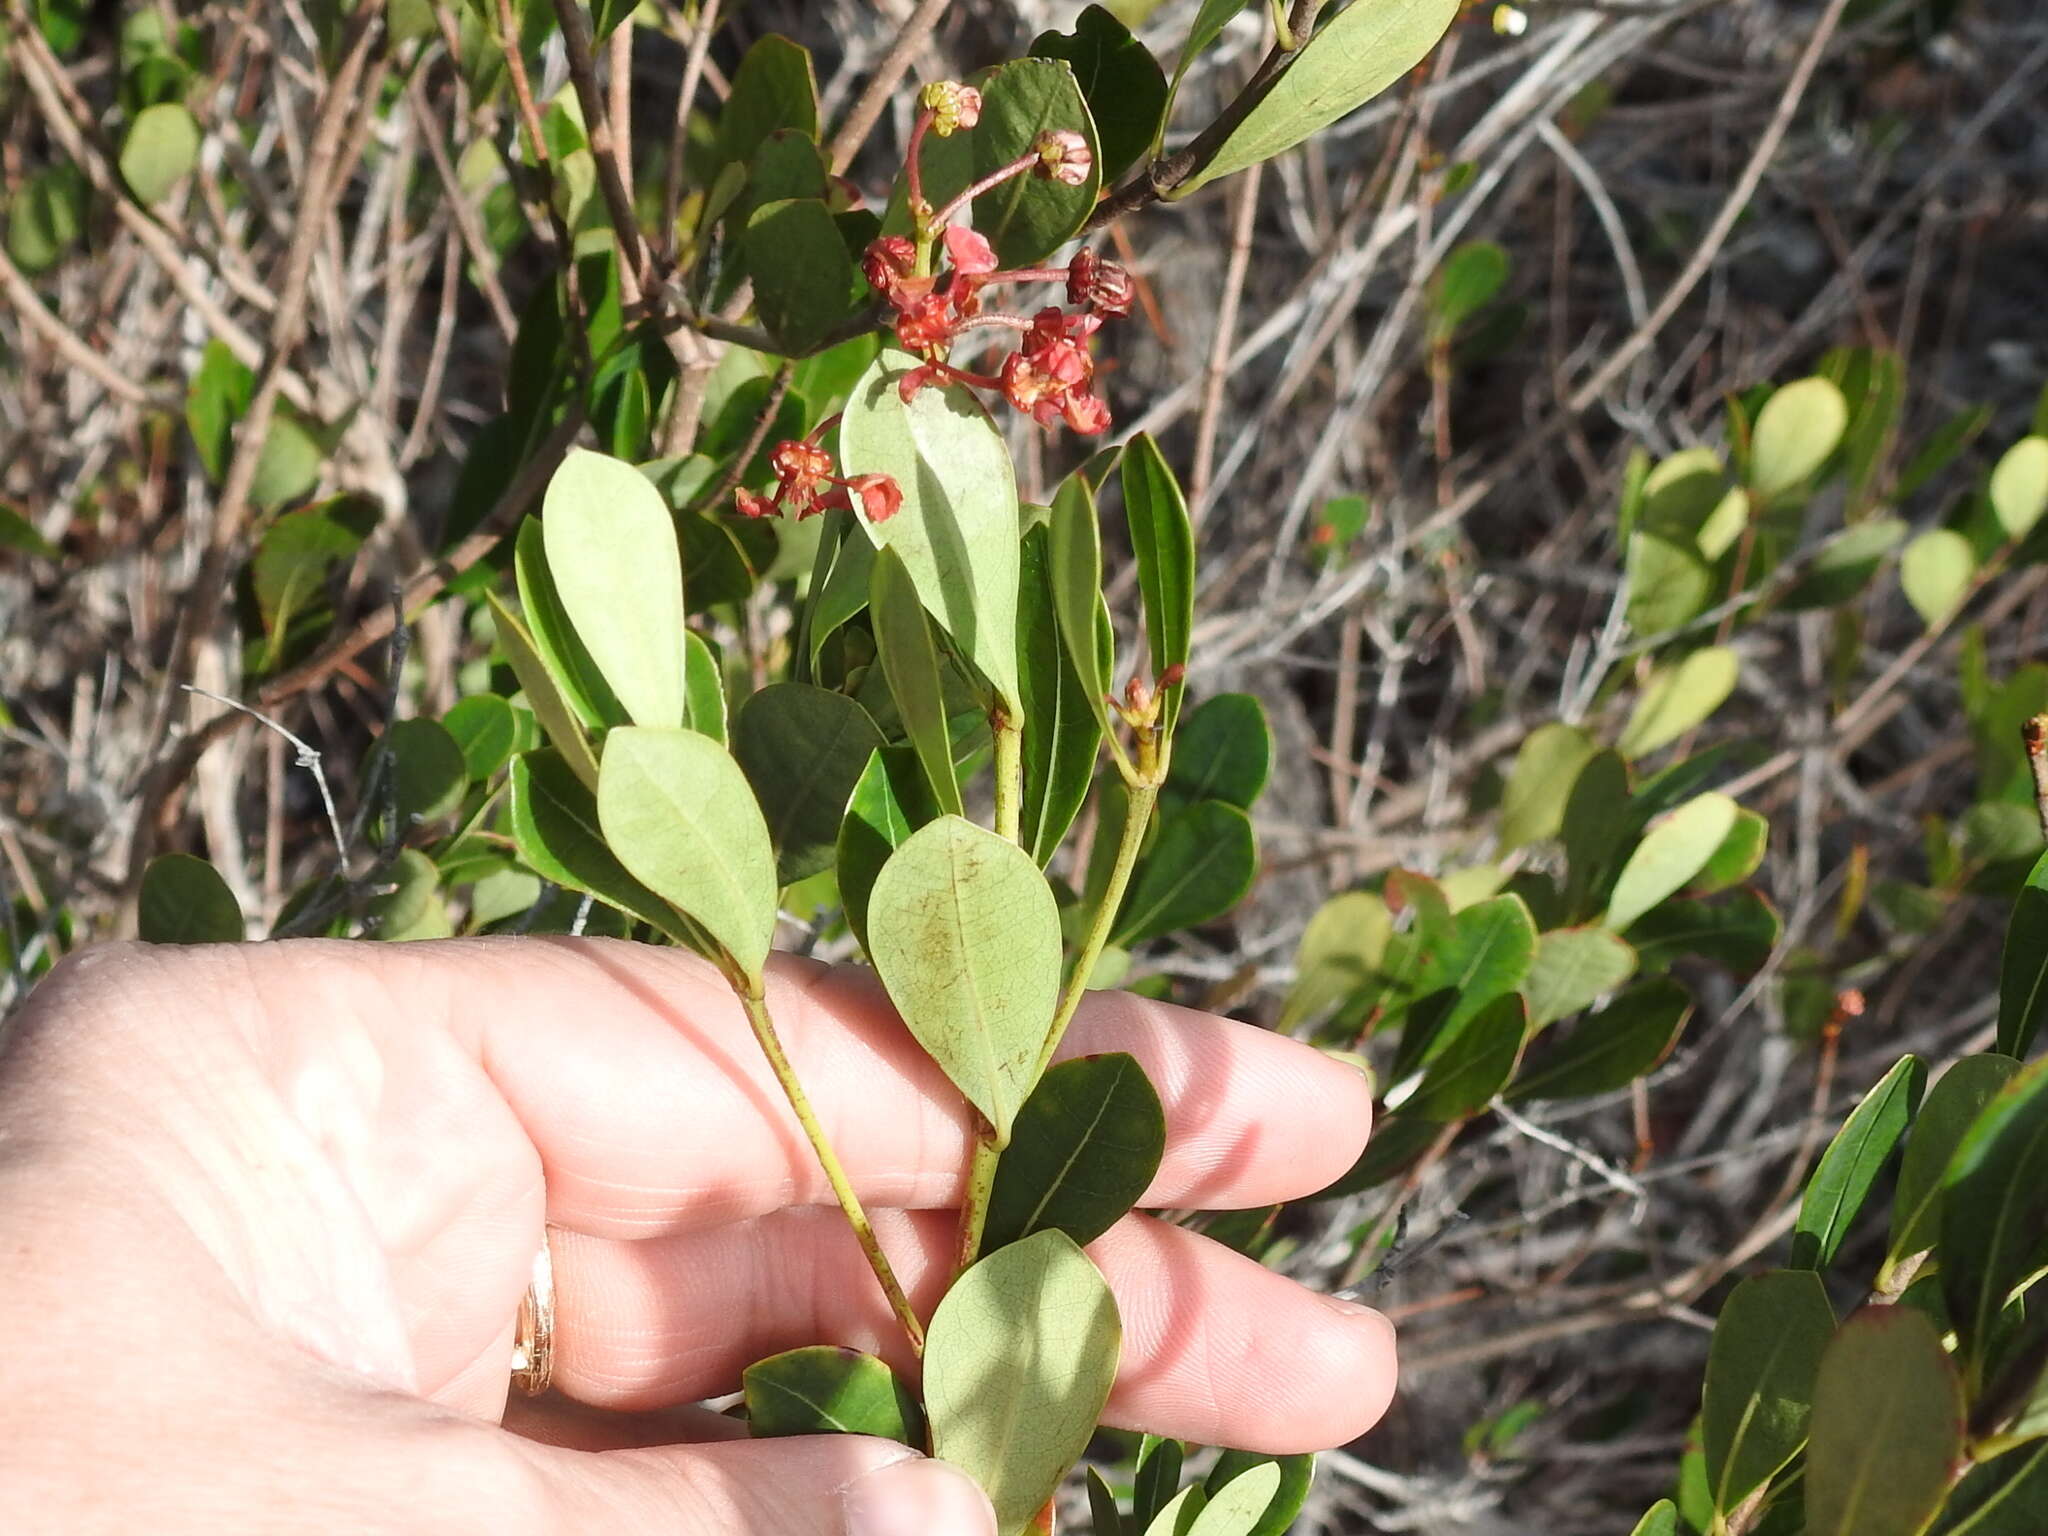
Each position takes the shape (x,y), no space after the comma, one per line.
(1064,156)
(887,262)
(953,106)
(1104,286)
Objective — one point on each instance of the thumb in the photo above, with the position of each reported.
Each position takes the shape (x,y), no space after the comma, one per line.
(821,1485)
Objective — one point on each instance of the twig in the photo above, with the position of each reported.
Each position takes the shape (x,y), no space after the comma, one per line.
(21,295)
(874,97)
(1220,344)
(308,758)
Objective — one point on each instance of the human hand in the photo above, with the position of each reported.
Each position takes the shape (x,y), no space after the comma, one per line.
(267,1212)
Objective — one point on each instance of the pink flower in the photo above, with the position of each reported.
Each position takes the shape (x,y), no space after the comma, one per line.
(953,106)
(970,253)
(1064,156)
(887,262)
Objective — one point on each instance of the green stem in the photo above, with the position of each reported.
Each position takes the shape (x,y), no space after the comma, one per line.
(1009,737)
(748,990)
(981,1184)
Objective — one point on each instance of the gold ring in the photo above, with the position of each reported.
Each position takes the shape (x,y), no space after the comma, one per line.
(533,1336)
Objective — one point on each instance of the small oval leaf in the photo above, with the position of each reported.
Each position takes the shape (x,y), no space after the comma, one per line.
(1084,1148)
(185,900)
(824,1389)
(1761,1366)
(1887,1427)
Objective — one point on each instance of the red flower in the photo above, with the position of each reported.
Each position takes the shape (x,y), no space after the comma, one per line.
(970,253)
(887,262)
(750,505)
(800,469)
(924,320)
(1049,377)
(881,498)
(1104,286)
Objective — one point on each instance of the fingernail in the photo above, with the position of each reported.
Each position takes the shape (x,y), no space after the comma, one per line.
(918,1498)
(1346,1308)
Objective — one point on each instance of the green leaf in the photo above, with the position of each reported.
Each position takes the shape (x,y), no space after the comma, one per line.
(772,88)
(1120,81)
(1738,933)
(1018,1364)
(1290,1492)
(1609,1050)
(965,935)
(1741,851)
(1061,732)
(1673,851)
(1104,1519)
(2023,971)
(18,533)
(612,555)
(184,900)
(1662,1520)
(1951,1107)
(1470,277)
(1340,949)
(554,824)
(1573,968)
(1163,542)
(1935,572)
(161,147)
(1799,426)
(2006,1496)
(890,802)
(543,697)
(1994,1210)
(289,465)
(1239,1505)
(1669,583)
(1887,1427)
(805,282)
(682,818)
(293,561)
(1177,1517)
(1546,766)
(427,771)
(1084,1148)
(704,686)
(910,662)
(1200,866)
(1158,1475)
(408,903)
(1850,1166)
(1029,217)
(1222,750)
(957,531)
(486,731)
(1761,1367)
(1679,697)
(1480,1058)
(1359,53)
(1074,549)
(47,217)
(1842,567)
(803,749)
(2019,487)
(1486,955)
(825,1389)
(1598,821)
(1208,25)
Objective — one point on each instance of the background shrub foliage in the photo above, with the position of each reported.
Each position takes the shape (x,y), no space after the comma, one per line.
(405,375)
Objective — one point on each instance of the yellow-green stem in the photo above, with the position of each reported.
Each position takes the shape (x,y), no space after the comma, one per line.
(756,1006)
(1009,736)
(981,1183)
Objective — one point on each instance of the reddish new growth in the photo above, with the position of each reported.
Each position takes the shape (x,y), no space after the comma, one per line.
(803,470)
(1051,374)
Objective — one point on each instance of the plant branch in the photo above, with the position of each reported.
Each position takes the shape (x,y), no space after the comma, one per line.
(874,97)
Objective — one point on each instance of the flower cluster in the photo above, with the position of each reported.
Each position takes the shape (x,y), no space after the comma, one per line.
(803,470)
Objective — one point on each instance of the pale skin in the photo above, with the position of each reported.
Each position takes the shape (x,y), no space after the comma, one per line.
(267,1212)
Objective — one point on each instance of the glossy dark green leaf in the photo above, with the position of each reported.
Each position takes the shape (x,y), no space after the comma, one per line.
(1761,1367)
(957,530)
(1994,1210)
(1485,956)
(1546,766)
(1397,1143)
(1737,932)
(1119,79)
(1350,60)
(1573,968)
(825,1389)
(1084,1148)
(484,727)
(1104,1518)
(1222,750)
(1842,1180)
(1062,734)
(553,820)
(1477,1063)
(1596,826)
(805,282)
(1157,1478)
(1887,1431)
(773,88)
(803,749)
(184,900)
(405,903)
(910,662)
(160,149)
(554,712)
(681,817)
(1029,217)
(2023,972)
(1163,542)
(1612,1048)
(965,934)
(1200,866)
(1297,1475)
(890,801)
(2005,1496)
(1018,1364)
(427,772)
(788,164)
(617,569)
(1951,1108)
